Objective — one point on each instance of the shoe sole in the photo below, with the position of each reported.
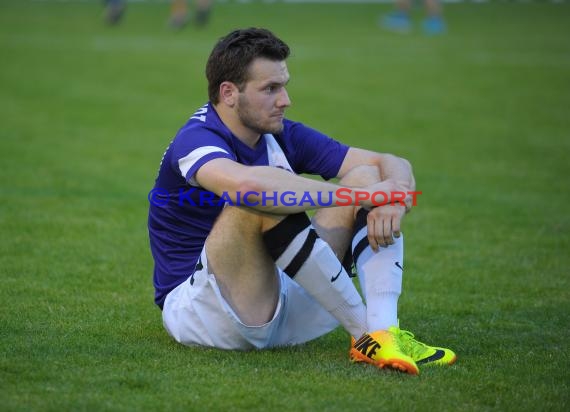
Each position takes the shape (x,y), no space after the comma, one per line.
(396,364)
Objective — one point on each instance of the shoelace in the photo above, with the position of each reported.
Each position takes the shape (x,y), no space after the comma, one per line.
(410,345)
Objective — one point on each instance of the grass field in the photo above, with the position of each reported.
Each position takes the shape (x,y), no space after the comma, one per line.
(483,114)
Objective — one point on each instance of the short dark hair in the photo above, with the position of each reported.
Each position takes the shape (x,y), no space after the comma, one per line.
(232,55)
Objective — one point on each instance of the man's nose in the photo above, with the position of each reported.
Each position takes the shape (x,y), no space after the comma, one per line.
(283,99)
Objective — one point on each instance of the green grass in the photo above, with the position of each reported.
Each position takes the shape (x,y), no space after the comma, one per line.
(86,112)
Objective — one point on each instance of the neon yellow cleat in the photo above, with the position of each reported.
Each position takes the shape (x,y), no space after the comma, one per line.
(381,349)
(421,353)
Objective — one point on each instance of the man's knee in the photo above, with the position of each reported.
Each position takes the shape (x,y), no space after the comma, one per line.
(243,220)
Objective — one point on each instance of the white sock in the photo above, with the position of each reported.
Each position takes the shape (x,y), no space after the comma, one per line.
(380,276)
(310,261)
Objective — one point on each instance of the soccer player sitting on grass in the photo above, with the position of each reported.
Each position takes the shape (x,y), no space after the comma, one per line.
(238,263)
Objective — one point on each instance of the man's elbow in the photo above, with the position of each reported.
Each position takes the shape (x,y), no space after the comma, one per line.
(387,160)
(249,185)
(406,163)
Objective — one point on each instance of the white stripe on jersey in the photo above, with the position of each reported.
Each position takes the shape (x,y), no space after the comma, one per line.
(275,154)
(185,163)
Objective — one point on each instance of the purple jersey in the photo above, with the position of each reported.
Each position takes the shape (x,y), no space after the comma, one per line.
(179,219)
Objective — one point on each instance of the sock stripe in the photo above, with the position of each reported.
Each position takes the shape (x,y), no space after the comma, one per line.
(359,248)
(360,223)
(302,255)
(361,220)
(279,237)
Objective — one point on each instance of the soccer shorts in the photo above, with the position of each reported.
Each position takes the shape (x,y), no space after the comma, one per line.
(195,313)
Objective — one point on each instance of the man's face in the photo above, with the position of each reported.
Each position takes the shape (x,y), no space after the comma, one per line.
(262,103)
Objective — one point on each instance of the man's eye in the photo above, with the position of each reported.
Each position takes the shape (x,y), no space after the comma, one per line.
(270,89)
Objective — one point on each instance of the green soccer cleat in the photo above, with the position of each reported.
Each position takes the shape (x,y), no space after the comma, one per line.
(421,353)
(382,349)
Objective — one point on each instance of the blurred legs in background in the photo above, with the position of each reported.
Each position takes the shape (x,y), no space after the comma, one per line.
(433,23)
(114,11)
(179,13)
(399,20)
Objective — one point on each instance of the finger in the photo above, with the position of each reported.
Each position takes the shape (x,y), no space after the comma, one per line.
(387,232)
(390,239)
(372,234)
(409,203)
(396,225)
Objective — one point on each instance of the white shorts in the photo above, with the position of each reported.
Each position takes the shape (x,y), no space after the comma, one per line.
(195,313)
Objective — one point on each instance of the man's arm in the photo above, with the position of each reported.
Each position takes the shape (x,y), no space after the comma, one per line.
(227,177)
(390,166)
(383,221)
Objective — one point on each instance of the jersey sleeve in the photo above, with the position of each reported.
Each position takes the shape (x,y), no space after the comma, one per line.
(193,147)
(313,152)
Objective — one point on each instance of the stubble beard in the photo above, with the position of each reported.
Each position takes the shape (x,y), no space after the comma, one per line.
(251,121)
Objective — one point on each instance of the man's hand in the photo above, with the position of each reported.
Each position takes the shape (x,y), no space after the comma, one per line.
(385,192)
(384,221)
(384,225)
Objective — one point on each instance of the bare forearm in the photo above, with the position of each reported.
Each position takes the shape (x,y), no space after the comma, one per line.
(277,191)
(396,168)
(274,190)
(389,166)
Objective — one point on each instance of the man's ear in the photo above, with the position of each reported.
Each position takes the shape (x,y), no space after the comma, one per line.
(228,93)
